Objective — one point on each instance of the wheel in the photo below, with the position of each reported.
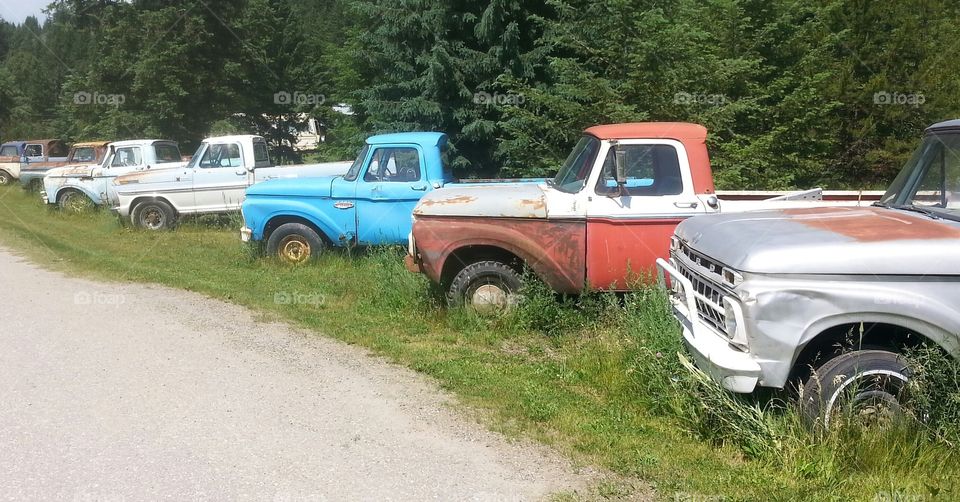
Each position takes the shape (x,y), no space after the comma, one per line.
(869,385)
(154,215)
(73,201)
(5,178)
(485,286)
(295,243)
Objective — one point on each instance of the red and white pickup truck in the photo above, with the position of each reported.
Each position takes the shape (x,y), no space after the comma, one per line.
(601,222)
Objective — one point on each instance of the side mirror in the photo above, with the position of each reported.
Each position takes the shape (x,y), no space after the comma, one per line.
(24,159)
(713,202)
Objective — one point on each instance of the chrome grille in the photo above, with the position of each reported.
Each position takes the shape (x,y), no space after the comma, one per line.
(705,275)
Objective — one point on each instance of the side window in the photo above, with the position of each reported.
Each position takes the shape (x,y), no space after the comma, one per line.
(84,154)
(59,150)
(650,170)
(166,153)
(9,151)
(260,153)
(33,151)
(221,155)
(944,167)
(127,156)
(394,165)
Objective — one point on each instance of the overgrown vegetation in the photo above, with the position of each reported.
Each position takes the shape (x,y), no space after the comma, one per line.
(600,377)
(796,94)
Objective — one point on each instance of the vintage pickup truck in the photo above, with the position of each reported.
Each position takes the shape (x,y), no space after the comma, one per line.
(90,153)
(369,205)
(213,181)
(76,188)
(829,298)
(48,152)
(604,220)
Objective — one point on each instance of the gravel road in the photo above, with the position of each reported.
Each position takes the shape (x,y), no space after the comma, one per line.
(130,392)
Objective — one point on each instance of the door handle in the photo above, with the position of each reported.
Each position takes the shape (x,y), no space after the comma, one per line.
(419,188)
(688,205)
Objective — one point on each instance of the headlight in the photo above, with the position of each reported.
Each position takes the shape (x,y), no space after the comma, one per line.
(674,243)
(733,322)
(731,277)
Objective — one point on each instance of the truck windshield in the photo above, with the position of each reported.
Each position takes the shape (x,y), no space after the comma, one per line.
(931,178)
(573,175)
(354,170)
(196,156)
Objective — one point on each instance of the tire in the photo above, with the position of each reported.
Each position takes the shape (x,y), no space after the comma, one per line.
(5,178)
(295,243)
(74,201)
(487,287)
(154,215)
(869,384)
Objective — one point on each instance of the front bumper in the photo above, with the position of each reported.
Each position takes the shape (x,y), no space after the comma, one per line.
(246,234)
(737,371)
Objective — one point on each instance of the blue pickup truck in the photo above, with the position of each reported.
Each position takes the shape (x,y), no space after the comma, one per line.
(370,205)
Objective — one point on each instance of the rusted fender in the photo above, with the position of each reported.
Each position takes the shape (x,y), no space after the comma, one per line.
(553,249)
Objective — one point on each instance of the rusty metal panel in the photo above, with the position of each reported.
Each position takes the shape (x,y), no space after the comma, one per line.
(553,249)
(498,200)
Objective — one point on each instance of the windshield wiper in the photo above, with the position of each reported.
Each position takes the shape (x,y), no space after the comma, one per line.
(922,210)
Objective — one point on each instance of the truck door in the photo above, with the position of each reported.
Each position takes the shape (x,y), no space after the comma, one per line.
(391,186)
(219,179)
(628,228)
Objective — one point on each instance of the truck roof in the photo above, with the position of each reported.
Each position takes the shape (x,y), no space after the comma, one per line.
(91,143)
(420,138)
(137,142)
(663,130)
(947,124)
(235,137)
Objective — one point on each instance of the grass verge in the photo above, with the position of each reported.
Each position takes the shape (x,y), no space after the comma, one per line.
(602,378)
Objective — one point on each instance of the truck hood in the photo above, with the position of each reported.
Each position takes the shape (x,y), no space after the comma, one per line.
(293,187)
(505,200)
(75,171)
(842,240)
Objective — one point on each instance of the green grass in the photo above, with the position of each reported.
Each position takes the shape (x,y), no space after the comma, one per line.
(601,379)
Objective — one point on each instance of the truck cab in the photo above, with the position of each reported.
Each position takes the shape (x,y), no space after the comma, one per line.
(828,299)
(81,154)
(369,205)
(47,152)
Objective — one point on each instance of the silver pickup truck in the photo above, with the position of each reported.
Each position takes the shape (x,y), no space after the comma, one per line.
(827,298)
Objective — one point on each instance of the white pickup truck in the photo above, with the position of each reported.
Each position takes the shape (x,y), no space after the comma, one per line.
(214,181)
(78,187)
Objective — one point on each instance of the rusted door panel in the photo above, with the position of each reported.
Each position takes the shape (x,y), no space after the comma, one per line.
(622,250)
(553,249)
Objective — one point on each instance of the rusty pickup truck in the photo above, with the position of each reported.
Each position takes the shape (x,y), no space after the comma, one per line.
(828,299)
(81,154)
(21,155)
(600,223)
